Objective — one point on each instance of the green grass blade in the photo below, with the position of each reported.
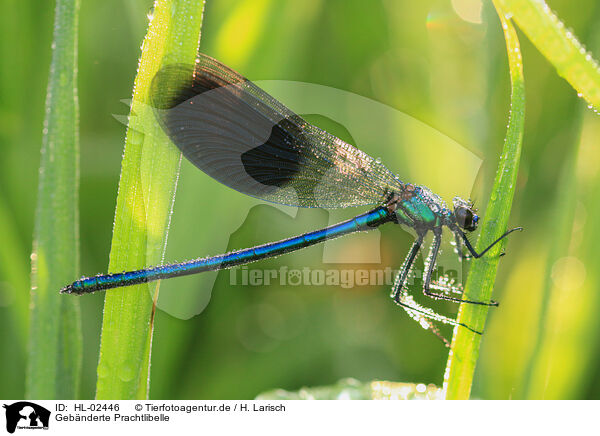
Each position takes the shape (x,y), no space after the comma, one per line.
(146,192)
(55,344)
(558,44)
(480,281)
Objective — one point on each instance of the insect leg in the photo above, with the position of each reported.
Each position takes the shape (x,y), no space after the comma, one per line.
(459,248)
(478,255)
(423,315)
(400,280)
(429,267)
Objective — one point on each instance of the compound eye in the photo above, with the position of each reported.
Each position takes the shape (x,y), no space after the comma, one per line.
(465,218)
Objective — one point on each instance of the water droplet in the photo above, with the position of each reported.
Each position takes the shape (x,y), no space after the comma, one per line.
(103,369)
(126,371)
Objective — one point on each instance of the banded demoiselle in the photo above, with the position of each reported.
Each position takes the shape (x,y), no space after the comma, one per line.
(247,140)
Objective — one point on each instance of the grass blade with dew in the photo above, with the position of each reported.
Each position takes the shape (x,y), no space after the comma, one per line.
(464,350)
(149,173)
(55,342)
(559,45)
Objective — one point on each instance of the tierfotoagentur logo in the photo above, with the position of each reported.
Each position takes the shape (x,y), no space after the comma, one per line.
(344,278)
(26,415)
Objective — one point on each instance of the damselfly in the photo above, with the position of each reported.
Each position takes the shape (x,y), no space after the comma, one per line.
(244,138)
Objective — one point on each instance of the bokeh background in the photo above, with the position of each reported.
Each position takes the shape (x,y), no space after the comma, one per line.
(441,62)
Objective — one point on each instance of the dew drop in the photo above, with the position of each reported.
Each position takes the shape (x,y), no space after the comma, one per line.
(103,369)
(126,372)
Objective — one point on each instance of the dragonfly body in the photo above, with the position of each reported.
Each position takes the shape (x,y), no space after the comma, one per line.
(363,222)
(409,208)
(244,138)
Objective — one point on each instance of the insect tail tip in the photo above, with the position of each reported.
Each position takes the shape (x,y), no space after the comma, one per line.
(70,289)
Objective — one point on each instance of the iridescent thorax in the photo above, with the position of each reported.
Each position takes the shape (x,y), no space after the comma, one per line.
(418,207)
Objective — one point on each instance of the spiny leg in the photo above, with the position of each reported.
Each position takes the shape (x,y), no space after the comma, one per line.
(461,234)
(400,279)
(429,267)
(458,248)
(426,316)
(445,284)
(423,315)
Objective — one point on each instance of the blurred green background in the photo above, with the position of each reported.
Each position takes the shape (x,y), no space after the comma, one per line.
(443,63)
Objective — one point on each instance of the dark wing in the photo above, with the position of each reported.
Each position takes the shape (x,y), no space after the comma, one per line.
(244,138)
